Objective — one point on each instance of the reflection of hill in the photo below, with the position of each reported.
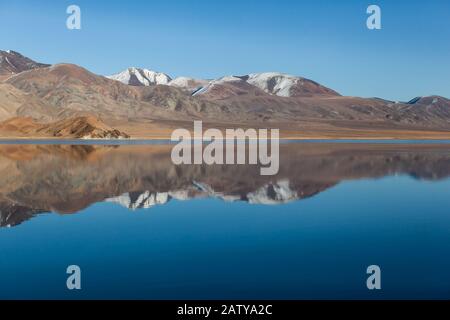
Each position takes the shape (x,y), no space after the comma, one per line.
(67,179)
(13,214)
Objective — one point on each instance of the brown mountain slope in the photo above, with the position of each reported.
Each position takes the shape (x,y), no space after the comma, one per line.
(75,90)
(82,127)
(11,99)
(86,127)
(14,102)
(429,106)
(352,111)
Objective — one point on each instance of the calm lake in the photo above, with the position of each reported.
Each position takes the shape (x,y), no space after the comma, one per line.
(140,227)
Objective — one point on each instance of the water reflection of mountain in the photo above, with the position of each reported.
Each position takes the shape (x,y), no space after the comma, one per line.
(66,179)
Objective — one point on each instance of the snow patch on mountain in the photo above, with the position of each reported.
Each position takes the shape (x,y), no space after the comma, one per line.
(208,85)
(181,195)
(190,85)
(278,84)
(141,77)
(181,82)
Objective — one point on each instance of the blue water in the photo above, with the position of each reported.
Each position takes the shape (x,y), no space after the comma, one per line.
(210,249)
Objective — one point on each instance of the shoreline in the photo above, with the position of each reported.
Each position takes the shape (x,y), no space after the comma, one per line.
(158,135)
(168,140)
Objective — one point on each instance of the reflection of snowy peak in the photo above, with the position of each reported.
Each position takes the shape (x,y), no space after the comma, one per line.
(208,191)
(147,199)
(141,77)
(276,193)
(144,200)
(12,214)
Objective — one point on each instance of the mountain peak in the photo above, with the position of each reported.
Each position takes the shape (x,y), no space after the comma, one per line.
(12,52)
(273,83)
(286,85)
(141,77)
(12,62)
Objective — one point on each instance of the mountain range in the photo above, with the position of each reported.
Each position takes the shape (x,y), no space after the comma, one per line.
(142,103)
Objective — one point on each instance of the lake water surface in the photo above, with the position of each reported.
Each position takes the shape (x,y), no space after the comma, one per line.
(140,227)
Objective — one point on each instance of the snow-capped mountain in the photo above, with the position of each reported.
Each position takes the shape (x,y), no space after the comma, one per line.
(145,77)
(273,83)
(284,85)
(141,77)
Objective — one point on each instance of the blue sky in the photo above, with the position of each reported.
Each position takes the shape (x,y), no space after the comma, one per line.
(324,40)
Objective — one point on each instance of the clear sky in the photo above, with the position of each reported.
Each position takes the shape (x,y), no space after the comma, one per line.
(324,40)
